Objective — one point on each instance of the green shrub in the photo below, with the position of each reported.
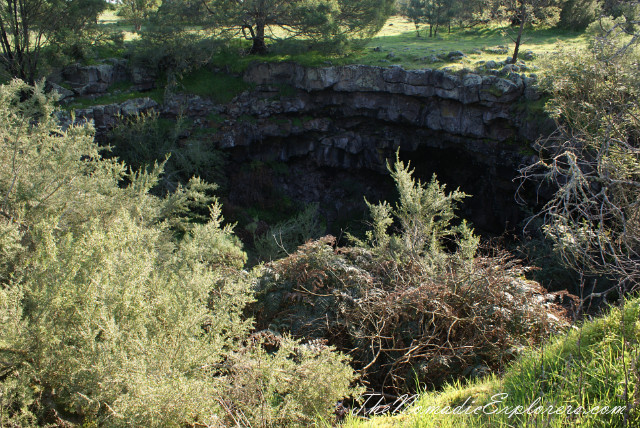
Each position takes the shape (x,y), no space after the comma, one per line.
(283,238)
(590,366)
(144,139)
(107,317)
(411,304)
(578,14)
(171,51)
(301,382)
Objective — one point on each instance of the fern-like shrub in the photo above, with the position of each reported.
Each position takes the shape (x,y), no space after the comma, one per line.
(412,303)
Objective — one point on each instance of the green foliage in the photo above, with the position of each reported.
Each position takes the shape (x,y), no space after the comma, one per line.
(115,96)
(137,11)
(590,366)
(93,43)
(405,306)
(325,22)
(49,171)
(578,14)
(424,214)
(145,139)
(524,13)
(220,87)
(170,50)
(109,318)
(593,216)
(299,381)
(27,26)
(283,238)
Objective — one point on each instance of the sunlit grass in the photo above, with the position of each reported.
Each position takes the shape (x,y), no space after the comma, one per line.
(397,44)
(115,96)
(399,38)
(110,20)
(218,86)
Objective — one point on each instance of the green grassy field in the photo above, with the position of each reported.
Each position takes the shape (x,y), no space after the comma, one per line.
(111,21)
(397,44)
(399,36)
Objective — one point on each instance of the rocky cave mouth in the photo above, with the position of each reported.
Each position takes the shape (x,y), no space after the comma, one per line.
(258,181)
(301,135)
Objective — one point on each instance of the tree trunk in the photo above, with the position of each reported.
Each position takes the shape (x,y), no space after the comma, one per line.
(259,46)
(523,18)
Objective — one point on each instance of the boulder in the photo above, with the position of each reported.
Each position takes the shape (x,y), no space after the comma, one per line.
(136,106)
(63,93)
(94,79)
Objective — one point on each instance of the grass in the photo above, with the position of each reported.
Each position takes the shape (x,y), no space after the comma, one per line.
(398,37)
(588,367)
(396,44)
(115,97)
(110,20)
(220,87)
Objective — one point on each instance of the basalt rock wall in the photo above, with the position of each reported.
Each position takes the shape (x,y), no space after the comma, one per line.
(353,116)
(473,130)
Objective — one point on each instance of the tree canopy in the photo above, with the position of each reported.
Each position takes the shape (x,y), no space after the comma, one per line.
(262,20)
(593,158)
(26,26)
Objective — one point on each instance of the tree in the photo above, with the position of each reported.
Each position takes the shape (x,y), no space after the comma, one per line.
(137,11)
(530,12)
(415,12)
(28,25)
(578,14)
(593,160)
(258,20)
(446,12)
(435,12)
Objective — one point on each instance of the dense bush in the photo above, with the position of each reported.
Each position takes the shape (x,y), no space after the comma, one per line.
(578,14)
(284,237)
(412,306)
(107,318)
(145,139)
(588,377)
(593,158)
(168,50)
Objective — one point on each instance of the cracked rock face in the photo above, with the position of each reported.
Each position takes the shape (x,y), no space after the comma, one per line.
(368,111)
(105,117)
(94,79)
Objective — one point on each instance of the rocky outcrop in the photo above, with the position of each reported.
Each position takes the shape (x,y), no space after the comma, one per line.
(474,130)
(354,116)
(105,117)
(466,89)
(93,79)
(87,80)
